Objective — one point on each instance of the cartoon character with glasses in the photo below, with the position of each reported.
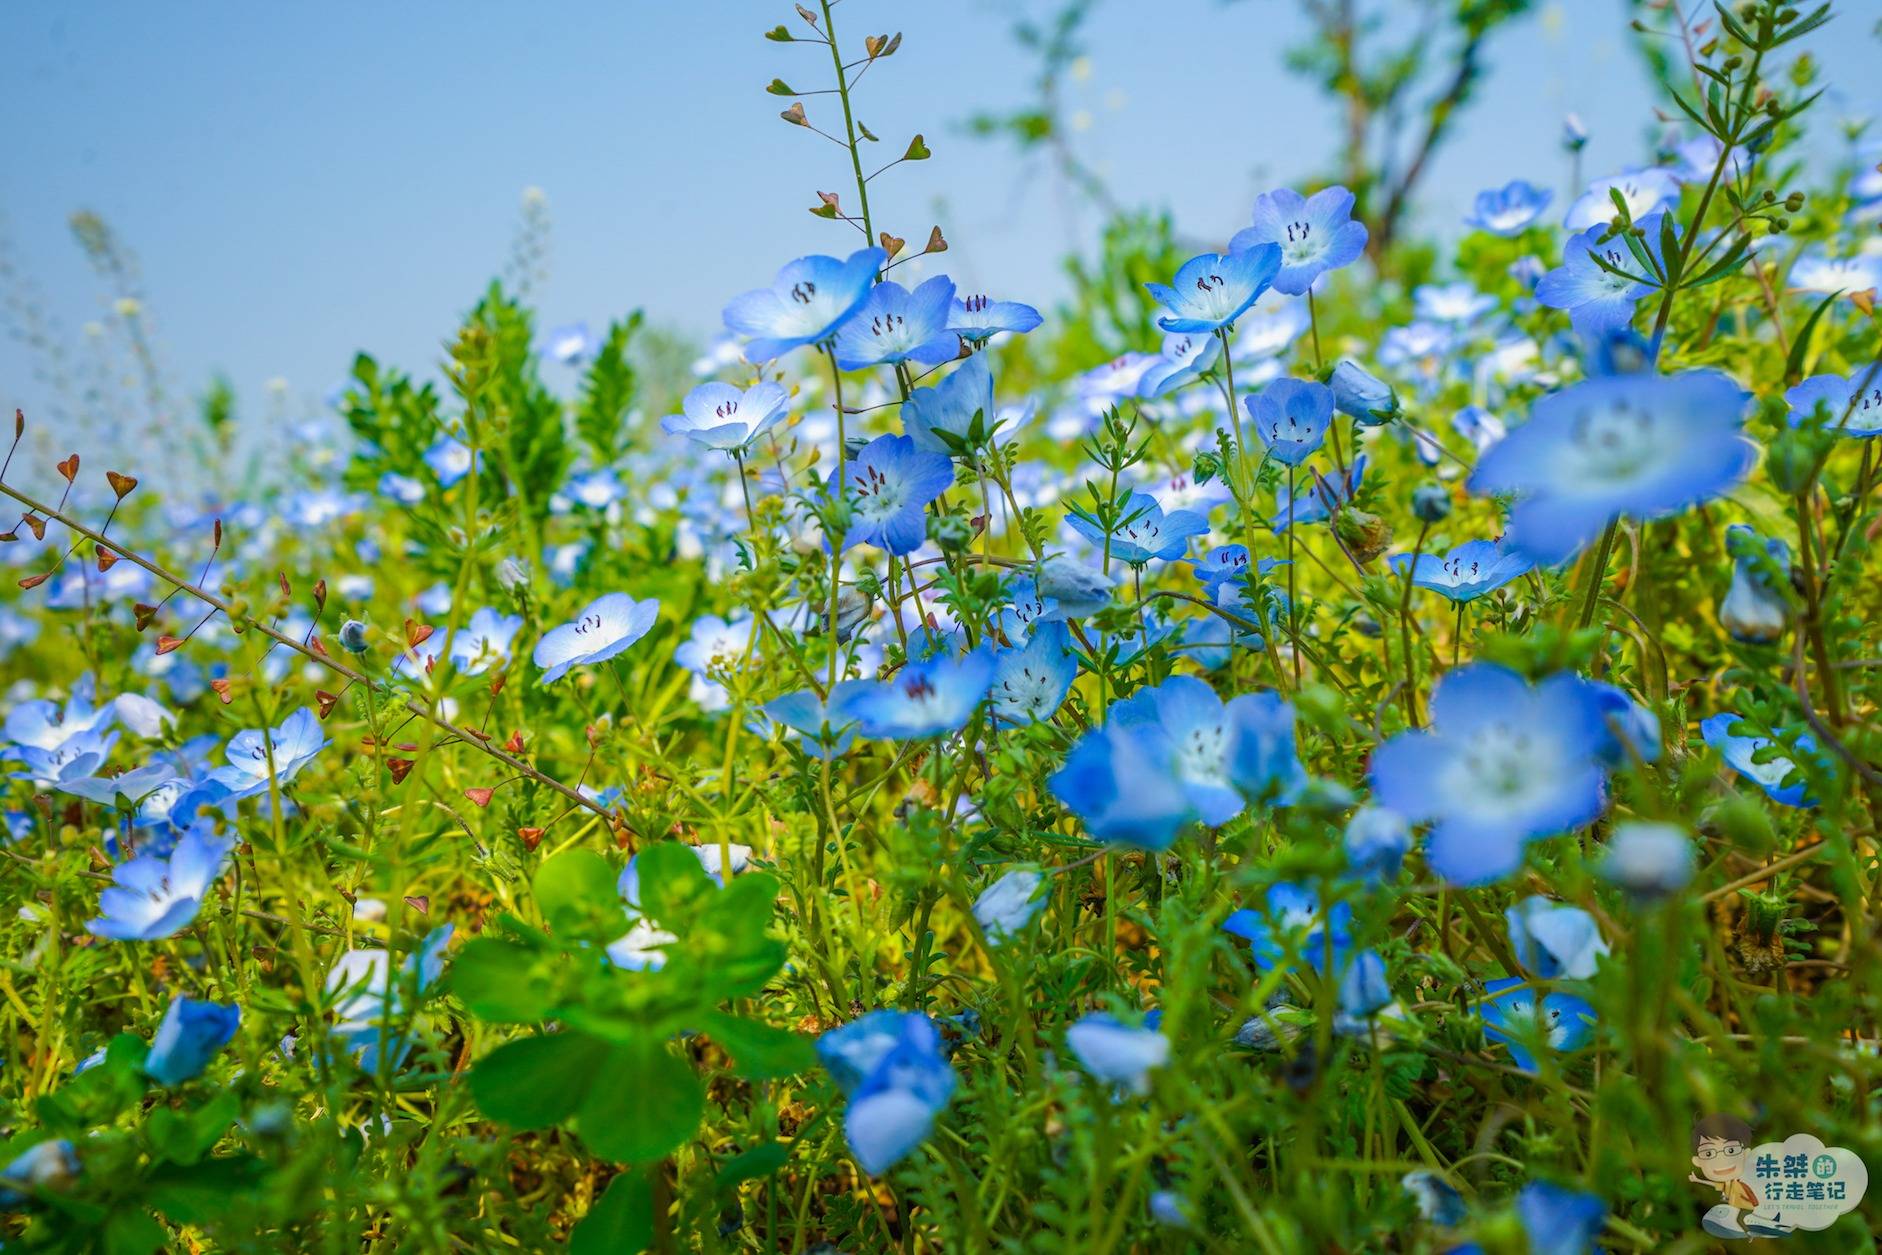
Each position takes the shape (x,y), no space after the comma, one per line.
(1720,1147)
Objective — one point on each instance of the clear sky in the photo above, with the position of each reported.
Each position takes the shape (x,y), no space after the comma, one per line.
(301,181)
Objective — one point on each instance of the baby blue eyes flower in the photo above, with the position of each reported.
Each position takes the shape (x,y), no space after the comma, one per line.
(1009,904)
(1228,564)
(1742,752)
(188,1038)
(1186,355)
(1512,1015)
(1467,572)
(1553,940)
(1437,1202)
(923,699)
(1290,417)
(1502,764)
(726,418)
(484,641)
(1312,502)
(1851,406)
(1314,233)
(1645,190)
(1290,923)
(569,343)
(1641,446)
(1376,842)
(1817,271)
(1753,610)
(47,1165)
(449,459)
(1211,291)
(1597,299)
(895,325)
(151,897)
(1221,754)
(1118,781)
(1559,1221)
(401,488)
(804,304)
(605,627)
(1451,303)
(956,416)
(1145,532)
(1075,590)
(822,731)
(978,319)
(889,484)
(891,1068)
(1357,392)
(253,754)
(1507,210)
(1116,1053)
(1364,989)
(368,997)
(1030,684)
(43,724)
(1648,860)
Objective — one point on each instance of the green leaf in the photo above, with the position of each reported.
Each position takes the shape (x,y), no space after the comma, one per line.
(672,883)
(780,35)
(184,1137)
(749,1165)
(620,1222)
(501,982)
(1800,346)
(575,890)
(645,1101)
(778,87)
(917,150)
(133,1232)
(537,1081)
(759,1051)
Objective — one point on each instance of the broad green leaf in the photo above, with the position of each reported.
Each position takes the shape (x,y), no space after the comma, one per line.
(759,1051)
(672,884)
(537,1081)
(620,1222)
(645,1100)
(575,890)
(502,982)
(748,1165)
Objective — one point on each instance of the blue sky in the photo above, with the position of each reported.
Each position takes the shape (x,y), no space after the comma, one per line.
(299,182)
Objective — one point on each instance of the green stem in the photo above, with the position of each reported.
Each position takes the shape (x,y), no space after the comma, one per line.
(849,128)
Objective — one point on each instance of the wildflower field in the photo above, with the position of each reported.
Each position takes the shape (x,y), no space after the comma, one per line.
(1322,739)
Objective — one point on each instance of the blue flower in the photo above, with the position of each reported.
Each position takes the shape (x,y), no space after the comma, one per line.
(894,325)
(1364,989)
(823,731)
(1507,210)
(1290,924)
(401,488)
(1029,684)
(978,319)
(1649,860)
(1119,781)
(1185,356)
(1290,417)
(604,628)
(1075,591)
(805,304)
(1116,1053)
(957,415)
(1312,502)
(923,699)
(1458,303)
(1559,1221)
(1641,446)
(889,484)
(1376,843)
(49,1165)
(1816,271)
(449,459)
(1145,531)
(1502,764)
(1644,189)
(1357,392)
(1227,564)
(569,343)
(484,641)
(1009,904)
(1437,1201)
(1314,233)
(1511,1016)
(1753,610)
(726,418)
(1742,752)
(1467,572)
(188,1038)
(1221,754)
(891,1067)
(151,897)
(1597,299)
(253,752)
(1853,404)
(136,785)
(367,1003)
(1210,291)
(1553,940)
(43,724)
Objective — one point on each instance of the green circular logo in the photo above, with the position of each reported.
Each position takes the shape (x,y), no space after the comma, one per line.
(1824,1166)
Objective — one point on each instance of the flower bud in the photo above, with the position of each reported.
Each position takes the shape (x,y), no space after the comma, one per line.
(1431,503)
(950,531)
(1359,393)
(1649,860)
(353,636)
(511,575)
(1367,535)
(1754,611)
(1790,458)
